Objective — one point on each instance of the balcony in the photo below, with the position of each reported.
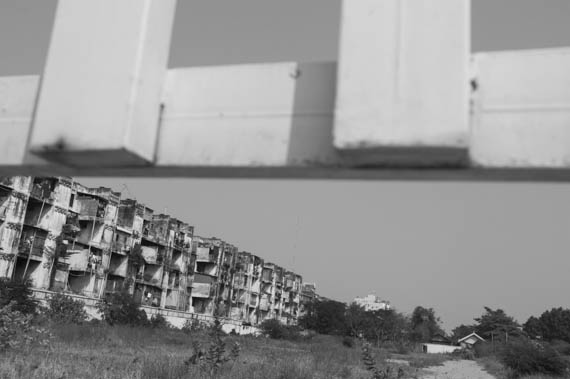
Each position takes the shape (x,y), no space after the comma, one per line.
(120,247)
(204,254)
(267,276)
(201,290)
(119,266)
(90,209)
(151,255)
(18,183)
(42,189)
(34,249)
(148,279)
(264,304)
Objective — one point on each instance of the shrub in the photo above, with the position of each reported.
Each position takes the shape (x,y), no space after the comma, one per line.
(19,294)
(378,373)
(560,346)
(528,358)
(485,349)
(120,308)
(65,310)
(158,321)
(17,329)
(464,354)
(212,359)
(276,330)
(347,341)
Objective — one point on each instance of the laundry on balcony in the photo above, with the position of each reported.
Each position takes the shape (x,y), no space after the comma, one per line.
(78,259)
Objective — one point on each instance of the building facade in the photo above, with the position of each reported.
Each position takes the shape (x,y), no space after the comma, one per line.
(88,242)
(372,303)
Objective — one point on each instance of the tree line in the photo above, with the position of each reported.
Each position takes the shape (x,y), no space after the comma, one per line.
(423,324)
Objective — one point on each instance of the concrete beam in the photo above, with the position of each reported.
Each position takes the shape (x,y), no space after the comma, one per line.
(99,99)
(17,100)
(277,114)
(521,115)
(403,81)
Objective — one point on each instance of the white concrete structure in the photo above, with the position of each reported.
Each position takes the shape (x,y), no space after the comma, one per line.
(275,114)
(99,100)
(470,340)
(521,109)
(372,303)
(403,80)
(434,348)
(397,102)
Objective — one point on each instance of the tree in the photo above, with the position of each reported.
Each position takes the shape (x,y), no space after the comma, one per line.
(551,325)
(462,331)
(496,325)
(65,310)
(386,325)
(327,317)
(533,327)
(425,324)
(19,293)
(356,320)
(120,308)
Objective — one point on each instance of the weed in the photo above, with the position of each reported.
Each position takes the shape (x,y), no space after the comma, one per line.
(370,363)
(348,341)
(120,308)
(158,321)
(64,309)
(19,293)
(17,330)
(211,360)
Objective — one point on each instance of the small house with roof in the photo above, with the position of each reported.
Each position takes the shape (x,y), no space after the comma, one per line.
(470,340)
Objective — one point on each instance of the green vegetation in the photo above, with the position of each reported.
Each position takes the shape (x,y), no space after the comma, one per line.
(276,330)
(65,310)
(514,352)
(56,341)
(98,350)
(120,309)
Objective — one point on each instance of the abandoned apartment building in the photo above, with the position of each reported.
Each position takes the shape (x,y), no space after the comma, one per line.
(87,242)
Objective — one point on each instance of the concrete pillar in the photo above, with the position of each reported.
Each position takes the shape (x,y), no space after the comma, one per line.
(403,81)
(99,100)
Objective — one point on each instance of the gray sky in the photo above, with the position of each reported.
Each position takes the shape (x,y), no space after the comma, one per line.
(453,246)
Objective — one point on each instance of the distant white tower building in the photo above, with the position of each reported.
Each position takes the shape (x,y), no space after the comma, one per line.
(372,303)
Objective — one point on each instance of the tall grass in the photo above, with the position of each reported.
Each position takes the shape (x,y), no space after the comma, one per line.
(102,351)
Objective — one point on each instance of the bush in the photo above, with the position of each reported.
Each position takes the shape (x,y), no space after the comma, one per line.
(464,354)
(528,358)
(19,294)
(17,329)
(276,330)
(64,309)
(348,341)
(120,308)
(158,321)
(560,346)
(211,359)
(485,349)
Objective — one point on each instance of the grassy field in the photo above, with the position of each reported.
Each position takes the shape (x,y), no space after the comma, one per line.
(101,351)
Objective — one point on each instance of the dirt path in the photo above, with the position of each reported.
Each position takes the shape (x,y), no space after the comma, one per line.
(457,370)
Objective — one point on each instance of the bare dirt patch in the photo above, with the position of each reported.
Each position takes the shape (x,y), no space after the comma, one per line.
(457,369)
